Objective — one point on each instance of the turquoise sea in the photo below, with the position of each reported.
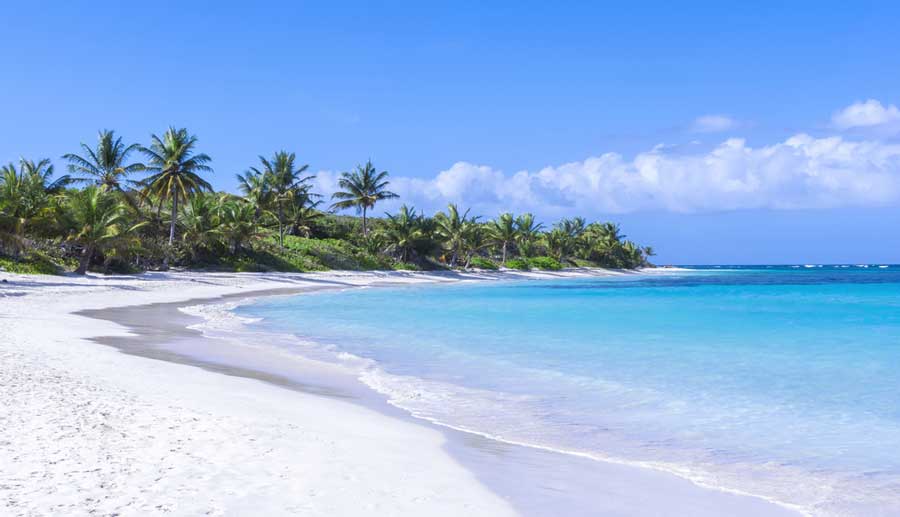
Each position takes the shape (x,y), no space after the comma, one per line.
(779,381)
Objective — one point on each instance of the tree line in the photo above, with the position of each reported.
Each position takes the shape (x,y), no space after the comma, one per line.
(134,207)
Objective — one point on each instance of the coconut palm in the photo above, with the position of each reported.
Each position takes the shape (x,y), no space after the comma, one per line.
(633,255)
(283,181)
(560,243)
(98,219)
(503,231)
(476,239)
(574,227)
(454,230)
(648,252)
(237,224)
(199,222)
(404,233)
(24,194)
(302,215)
(176,169)
(255,188)
(362,188)
(528,232)
(107,164)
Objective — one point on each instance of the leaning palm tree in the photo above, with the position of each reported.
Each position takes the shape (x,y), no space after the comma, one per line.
(107,164)
(98,220)
(283,182)
(503,231)
(362,189)
(175,169)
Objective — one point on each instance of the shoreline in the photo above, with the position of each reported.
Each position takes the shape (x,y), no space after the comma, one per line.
(489,460)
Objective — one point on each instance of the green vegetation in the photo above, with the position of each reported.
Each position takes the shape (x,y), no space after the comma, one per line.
(482,263)
(116,214)
(518,263)
(545,263)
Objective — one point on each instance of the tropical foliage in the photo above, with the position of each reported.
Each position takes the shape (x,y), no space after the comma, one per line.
(114,212)
(362,188)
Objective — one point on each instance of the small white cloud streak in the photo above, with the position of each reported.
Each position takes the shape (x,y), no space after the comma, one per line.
(866,115)
(800,173)
(713,124)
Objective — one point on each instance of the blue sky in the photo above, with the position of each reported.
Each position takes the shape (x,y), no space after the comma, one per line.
(680,123)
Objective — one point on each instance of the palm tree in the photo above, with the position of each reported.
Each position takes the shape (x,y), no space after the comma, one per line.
(199,222)
(560,242)
(574,227)
(528,233)
(403,232)
(237,224)
(648,252)
(476,238)
(503,231)
(454,229)
(107,164)
(634,255)
(255,187)
(302,215)
(176,170)
(283,182)
(362,189)
(24,194)
(98,220)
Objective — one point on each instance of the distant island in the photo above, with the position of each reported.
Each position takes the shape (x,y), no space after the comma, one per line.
(127,208)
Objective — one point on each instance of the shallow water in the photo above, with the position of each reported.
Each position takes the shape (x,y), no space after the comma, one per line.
(781,382)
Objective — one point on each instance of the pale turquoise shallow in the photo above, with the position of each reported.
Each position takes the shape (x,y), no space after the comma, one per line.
(778,381)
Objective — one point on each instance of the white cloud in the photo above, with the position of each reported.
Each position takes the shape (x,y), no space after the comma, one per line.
(800,173)
(713,124)
(866,115)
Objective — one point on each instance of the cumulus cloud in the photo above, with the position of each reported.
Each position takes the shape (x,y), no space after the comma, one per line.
(802,172)
(866,114)
(713,124)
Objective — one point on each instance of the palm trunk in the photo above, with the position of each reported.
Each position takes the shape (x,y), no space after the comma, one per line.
(504,254)
(174,216)
(85,260)
(281,226)
(365,228)
(171,227)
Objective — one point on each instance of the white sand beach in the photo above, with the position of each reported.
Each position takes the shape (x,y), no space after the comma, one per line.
(89,430)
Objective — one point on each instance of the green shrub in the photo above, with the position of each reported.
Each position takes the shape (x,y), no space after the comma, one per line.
(482,263)
(34,263)
(548,263)
(336,254)
(520,264)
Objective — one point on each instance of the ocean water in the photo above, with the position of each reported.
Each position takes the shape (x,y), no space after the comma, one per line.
(782,382)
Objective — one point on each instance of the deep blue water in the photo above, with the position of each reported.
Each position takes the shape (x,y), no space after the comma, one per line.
(779,381)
